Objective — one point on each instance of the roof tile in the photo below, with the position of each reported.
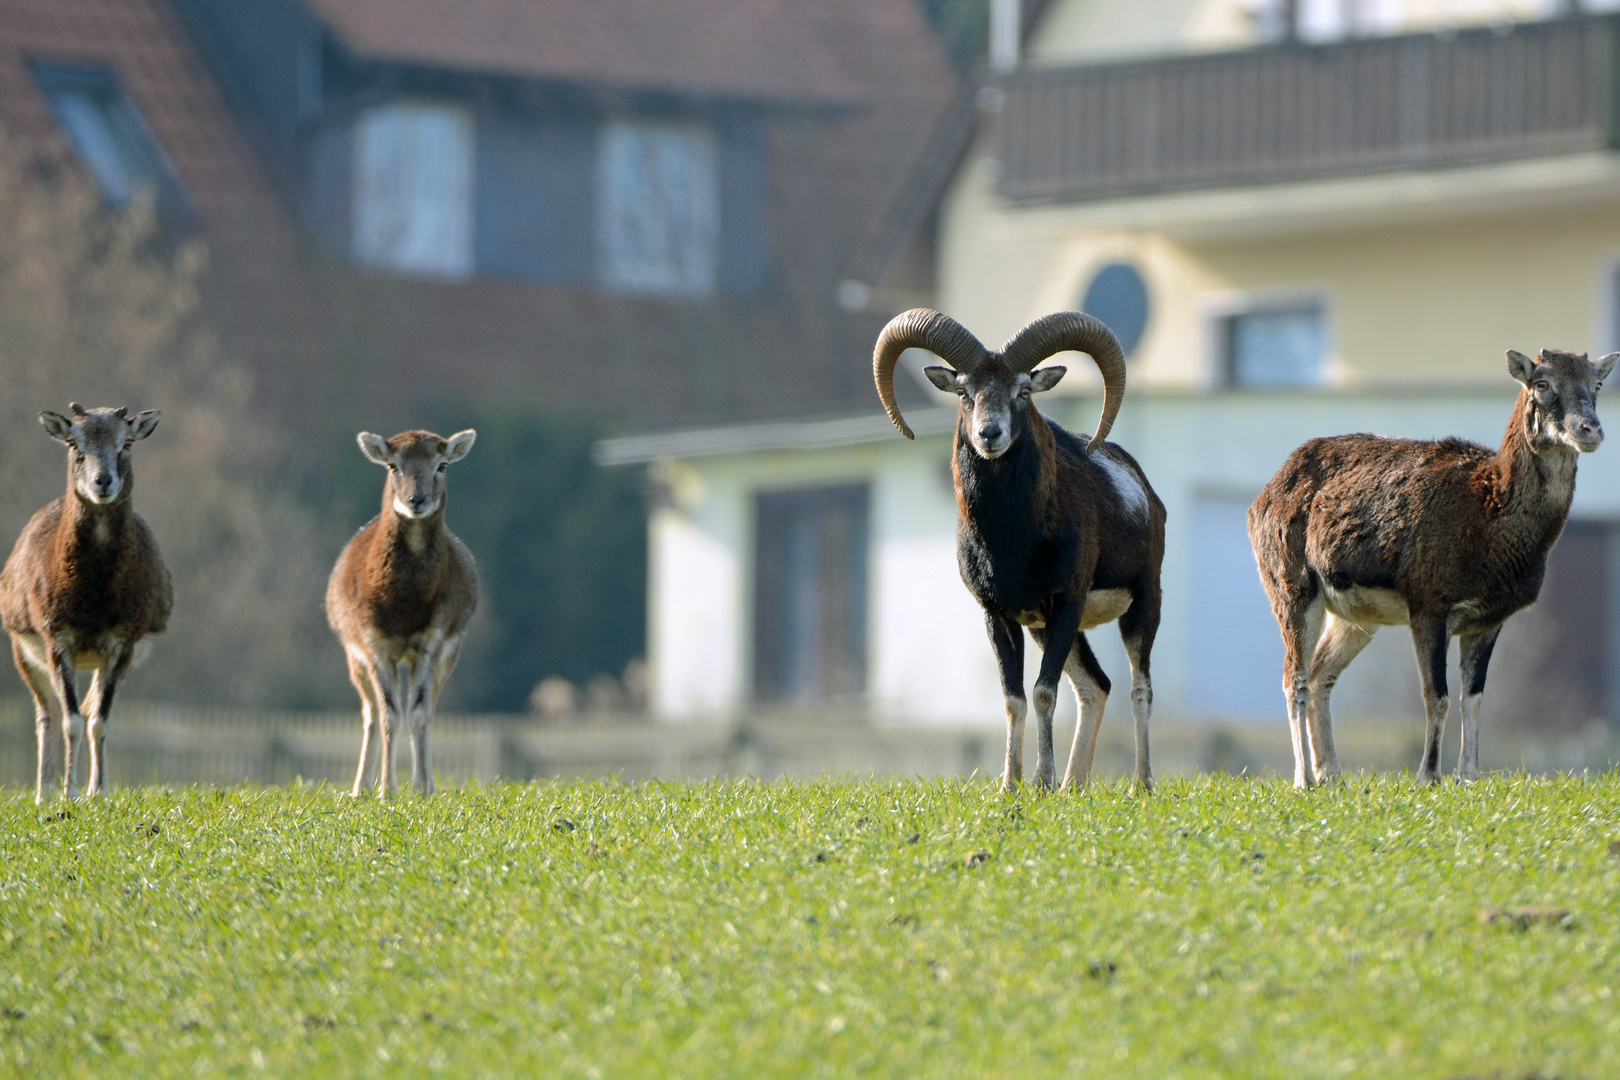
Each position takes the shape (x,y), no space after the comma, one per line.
(760,50)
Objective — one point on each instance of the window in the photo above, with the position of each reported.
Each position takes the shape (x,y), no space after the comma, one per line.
(810,595)
(109,136)
(413,189)
(1283,344)
(658,208)
(1119,297)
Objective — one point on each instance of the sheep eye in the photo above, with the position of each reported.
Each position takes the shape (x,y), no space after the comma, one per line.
(443,466)
(962,393)
(393,468)
(1543,385)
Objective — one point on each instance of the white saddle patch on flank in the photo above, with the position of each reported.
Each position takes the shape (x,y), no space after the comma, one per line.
(1102,606)
(1124,481)
(1360,604)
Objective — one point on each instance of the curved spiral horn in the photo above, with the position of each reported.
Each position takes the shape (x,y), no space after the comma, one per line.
(122,412)
(921,328)
(1080,332)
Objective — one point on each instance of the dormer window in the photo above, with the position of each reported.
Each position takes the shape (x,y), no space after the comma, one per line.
(109,136)
(658,208)
(413,166)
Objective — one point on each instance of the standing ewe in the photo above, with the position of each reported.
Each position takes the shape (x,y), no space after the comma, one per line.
(85,588)
(1447,537)
(1055,532)
(400,598)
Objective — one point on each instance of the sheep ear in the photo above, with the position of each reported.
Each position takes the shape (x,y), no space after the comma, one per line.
(1520,366)
(374,447)
(1047,377)
(57,426)
(143,424)
(1604,365)
(459,444)
(942,377)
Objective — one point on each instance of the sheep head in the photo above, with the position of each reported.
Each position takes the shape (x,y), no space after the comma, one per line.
(1562,390)
(995,387)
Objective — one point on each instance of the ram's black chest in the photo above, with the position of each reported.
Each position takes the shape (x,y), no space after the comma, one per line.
(1008,577)
(1010,559)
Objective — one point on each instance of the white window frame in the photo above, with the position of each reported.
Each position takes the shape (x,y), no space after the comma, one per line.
(413,189)
(639,249)
(1220,308)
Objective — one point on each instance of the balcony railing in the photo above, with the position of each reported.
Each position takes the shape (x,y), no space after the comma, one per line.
(1299,112)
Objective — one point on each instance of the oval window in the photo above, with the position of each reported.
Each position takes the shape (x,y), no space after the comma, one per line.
(1119,297)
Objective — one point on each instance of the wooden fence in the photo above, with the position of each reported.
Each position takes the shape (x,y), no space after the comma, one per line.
(155,745)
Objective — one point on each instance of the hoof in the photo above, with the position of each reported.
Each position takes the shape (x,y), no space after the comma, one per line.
(1323,779)
(1427,779)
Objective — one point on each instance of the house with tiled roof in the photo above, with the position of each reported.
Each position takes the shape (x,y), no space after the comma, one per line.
(641,208)
(632,207)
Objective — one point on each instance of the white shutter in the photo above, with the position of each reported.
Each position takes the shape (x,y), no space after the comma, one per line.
(1236,649)
(413,189)
(658,208)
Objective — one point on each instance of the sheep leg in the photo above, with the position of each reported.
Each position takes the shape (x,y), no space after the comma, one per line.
(419,710)
(1057,642)
(1475,658)
(360,676)
(1007,638)
(391,689)
(1342,641)
(1301,629)
(447,663)
(1091,688)
(1429,639)
(99,704)
(39,687)
(1137,629)
(59,666)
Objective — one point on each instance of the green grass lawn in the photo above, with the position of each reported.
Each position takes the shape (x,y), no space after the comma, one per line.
(1223,927)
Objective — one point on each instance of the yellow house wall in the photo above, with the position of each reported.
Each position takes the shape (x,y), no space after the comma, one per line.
(1411,302)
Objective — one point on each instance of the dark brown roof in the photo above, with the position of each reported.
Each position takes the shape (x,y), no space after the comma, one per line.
(761,49)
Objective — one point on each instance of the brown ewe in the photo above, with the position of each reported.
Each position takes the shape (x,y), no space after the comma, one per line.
(400,598)
(85,589)
(1447,537)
